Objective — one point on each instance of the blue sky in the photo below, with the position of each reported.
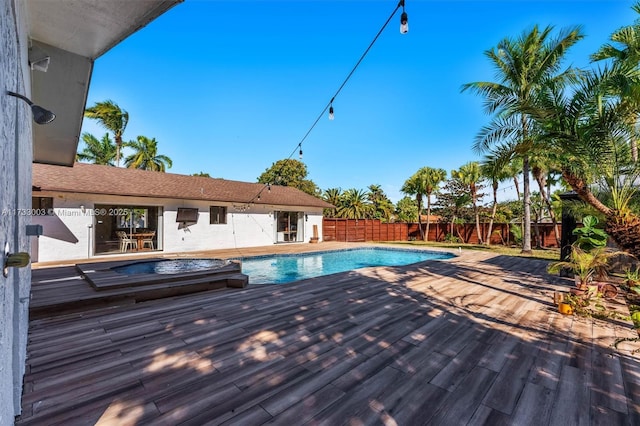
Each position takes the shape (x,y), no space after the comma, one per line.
(229,87)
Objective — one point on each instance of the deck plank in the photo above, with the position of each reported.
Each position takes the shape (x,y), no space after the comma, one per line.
(473,340)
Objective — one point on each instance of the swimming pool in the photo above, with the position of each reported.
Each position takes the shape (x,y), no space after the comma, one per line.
(285,268)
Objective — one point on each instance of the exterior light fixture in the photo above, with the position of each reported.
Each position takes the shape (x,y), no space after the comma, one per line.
(38,59)
(331,116)
(40,115)
(404,20)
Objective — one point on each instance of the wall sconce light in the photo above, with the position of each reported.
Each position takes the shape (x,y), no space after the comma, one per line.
(40,115)
(40,64)
(38,59)
(306,218)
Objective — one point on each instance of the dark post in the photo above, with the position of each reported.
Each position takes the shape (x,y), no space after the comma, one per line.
(568,225)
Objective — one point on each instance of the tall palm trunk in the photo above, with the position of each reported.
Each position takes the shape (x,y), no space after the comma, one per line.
(526,196)
(493,213)
(526,200)
(419,202)
(542,184)
(426,237)
(516,184)
(582,189)
(118,139)
(476,212)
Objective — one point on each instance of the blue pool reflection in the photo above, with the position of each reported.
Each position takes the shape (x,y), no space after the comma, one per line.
(280,269)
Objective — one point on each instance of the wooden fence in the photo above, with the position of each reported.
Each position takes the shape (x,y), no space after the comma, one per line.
(362,230)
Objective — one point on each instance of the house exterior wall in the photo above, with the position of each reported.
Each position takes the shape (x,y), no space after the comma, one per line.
(244,228)
(15,197)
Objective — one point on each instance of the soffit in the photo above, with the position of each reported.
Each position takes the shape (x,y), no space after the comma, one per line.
(73,33)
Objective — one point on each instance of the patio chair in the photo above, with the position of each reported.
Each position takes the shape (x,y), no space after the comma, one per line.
(126,241)
(149,240)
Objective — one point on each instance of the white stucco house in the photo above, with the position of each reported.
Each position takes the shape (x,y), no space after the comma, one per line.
(47,52)
(92,210)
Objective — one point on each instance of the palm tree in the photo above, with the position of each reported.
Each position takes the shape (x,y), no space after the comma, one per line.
(469,175)
(332,196)
(588,130)
(382,207)
(375,195)
(146,155)
(432,180)
(624,49)
(110,116)
(523,66)
(495,170)
(415,185)
(541,163)
(96,151)
(353,204)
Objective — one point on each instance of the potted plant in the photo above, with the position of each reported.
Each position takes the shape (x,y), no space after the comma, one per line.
(632,277)
(590,237)
(586,264)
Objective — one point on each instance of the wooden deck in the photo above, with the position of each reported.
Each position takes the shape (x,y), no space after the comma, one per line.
(473,340)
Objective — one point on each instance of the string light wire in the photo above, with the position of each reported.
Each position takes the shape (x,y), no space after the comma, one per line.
(298,147)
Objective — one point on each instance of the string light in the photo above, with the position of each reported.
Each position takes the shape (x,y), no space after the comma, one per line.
(404,28)
(404,20)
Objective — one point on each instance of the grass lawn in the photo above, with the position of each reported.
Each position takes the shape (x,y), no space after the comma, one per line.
(546,254)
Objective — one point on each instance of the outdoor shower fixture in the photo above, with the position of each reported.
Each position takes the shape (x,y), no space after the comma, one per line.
(40,115)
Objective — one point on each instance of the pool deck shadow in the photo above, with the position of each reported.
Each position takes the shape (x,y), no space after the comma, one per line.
(96,284)
(99,285)
(473,340)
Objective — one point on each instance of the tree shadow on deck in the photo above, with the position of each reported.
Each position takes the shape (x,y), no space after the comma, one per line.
(432,343)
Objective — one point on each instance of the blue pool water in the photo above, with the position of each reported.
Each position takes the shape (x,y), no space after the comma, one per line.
(175,266)
(280,269)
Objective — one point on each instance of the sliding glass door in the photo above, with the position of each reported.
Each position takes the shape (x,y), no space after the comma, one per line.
(126,228)
(289,226)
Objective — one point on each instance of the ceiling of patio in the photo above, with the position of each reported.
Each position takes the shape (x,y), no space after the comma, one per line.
(73,33)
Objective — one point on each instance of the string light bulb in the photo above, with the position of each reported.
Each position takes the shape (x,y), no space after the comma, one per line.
(300,153)
(404,23)
(331,116)
(404,20)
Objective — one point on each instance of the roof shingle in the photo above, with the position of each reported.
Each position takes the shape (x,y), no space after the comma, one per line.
(108,180)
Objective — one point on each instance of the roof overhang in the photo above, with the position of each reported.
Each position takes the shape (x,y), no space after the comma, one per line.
(73,33)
